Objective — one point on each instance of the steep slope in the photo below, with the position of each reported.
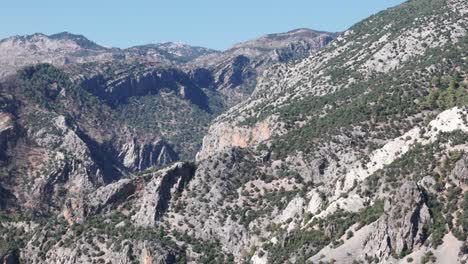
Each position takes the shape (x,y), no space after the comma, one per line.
(356,154)
(72,137)
(334,141)
(142,81)
(279,44)
(153,98)
(235,70)
(62,142)
(295,93)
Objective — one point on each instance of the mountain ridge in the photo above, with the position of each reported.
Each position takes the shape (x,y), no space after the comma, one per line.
(353,151)
(70,43)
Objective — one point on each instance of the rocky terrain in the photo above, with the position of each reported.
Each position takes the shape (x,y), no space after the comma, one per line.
(165,87)
(356,153)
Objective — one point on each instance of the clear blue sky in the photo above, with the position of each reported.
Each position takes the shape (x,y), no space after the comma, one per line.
(210,23)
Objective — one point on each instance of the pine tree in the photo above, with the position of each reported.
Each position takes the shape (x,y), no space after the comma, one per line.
(450,100)
(461,96)
(431,100)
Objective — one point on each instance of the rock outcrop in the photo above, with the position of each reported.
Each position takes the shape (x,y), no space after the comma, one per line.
(138,156)
(158,192)
(223,136)
(404,225)
(7,133)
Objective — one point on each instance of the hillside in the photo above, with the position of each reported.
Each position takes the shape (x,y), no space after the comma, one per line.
(353,140)
(153,87)
(355,153)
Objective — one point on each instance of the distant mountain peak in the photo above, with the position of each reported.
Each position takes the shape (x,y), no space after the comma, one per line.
(175,50)
(297,33)
(81,40)
(281,40)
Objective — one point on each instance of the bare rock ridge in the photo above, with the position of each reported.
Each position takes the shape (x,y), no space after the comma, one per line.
(140,157)
(174,51)
(403,229)
(281,47)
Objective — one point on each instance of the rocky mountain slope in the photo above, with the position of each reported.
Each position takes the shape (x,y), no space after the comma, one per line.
(355,154)
(232,72)
(178,52)
(66,48)
(235,70)
(139,81)
(349,128)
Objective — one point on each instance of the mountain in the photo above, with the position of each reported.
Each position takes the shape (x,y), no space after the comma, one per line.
(272,46)
(80,40)
(138,81)
(235,70)
(353,153)
(280,42)
(174,51)
(58,49)
(66,48)
(347,150)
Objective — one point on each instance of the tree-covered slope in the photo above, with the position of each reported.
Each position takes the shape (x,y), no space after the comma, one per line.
(347,129)
(355,154)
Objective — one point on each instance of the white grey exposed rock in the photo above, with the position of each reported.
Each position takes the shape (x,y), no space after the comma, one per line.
(140,156)
(460,171)
(315,202)
(157,193)
(82,252)
(403,225)
(110,194)
(295,208)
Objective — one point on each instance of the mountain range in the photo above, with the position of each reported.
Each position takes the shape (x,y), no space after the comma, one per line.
(298,147)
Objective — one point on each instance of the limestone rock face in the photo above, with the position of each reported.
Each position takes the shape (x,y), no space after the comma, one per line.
(158,192)
(234,73)
(140,156)
(7,133)
(130,83)
(62,161)
(222,136)
(404,225)
(460,171)
(314,203)
(111,194)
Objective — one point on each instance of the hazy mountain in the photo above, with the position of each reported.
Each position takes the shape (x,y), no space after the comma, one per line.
(80,40)
(174,51)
